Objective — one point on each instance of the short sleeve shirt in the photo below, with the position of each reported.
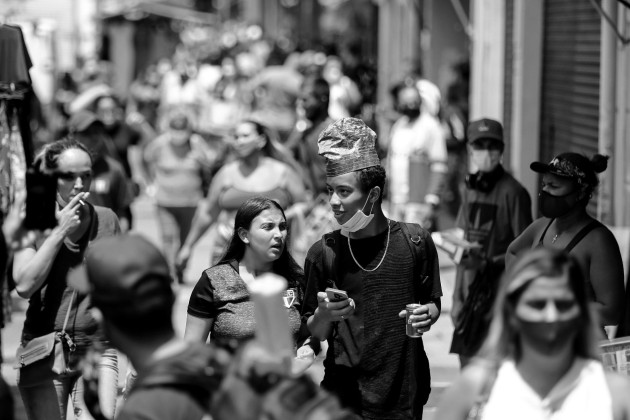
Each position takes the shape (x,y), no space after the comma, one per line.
(221,294)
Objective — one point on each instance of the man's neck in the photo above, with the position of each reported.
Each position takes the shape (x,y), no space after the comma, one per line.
(145,353)
(378,225)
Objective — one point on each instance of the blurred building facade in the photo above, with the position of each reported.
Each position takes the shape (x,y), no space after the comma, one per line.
(556,73)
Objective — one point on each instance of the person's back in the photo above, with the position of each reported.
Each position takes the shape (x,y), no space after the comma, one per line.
(175,388)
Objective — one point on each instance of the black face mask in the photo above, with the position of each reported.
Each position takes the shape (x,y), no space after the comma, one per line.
(549,337)
(553,206)
(410,111)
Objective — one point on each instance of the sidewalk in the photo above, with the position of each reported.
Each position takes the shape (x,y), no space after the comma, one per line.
(444,367)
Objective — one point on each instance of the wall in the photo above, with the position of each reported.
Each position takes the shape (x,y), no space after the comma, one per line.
(487,65)
(75,26)
(448,43)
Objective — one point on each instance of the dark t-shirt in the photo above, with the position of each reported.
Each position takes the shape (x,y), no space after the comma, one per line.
(110,186)
(48,306)
(370,351)
(221,294)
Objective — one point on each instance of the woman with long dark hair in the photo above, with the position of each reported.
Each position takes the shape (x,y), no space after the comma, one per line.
(540,358)
(220,303)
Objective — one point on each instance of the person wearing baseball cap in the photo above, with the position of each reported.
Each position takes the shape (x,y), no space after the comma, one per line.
(377,262)
(568,183)
(129,283)
(495,209)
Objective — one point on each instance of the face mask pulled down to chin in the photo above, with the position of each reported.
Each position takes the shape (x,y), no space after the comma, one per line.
(358,221)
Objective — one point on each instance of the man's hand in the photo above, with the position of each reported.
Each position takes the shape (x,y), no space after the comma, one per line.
(69,217)
(421,318)
(333,311)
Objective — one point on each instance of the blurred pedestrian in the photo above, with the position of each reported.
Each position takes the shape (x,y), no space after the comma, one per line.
(495,209)
(179,167)
(275,90)
(130,287)
(313,118)
(40,272)
(416,160)
(109,186)
(260,168)
(345,97)
(540,358)
(220,303)
(126,132)
(568,183)
(381,265)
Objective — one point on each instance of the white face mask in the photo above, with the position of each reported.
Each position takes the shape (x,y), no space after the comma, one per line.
(357,222)
(485,160)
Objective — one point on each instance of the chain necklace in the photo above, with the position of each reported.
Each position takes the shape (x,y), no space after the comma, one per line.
(384,253)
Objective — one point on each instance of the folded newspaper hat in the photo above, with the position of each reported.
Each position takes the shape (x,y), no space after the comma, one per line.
(348,145)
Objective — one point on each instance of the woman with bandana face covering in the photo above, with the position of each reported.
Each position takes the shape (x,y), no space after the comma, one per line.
(568,182)
(540,359)
(179,164)
(260,167)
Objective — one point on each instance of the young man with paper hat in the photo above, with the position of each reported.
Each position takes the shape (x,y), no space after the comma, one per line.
(382,265)
(495,209)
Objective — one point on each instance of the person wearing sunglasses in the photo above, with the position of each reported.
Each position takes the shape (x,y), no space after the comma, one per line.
(40,272)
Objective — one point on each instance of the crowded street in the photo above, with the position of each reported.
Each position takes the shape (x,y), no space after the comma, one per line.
(314,209)
(444,367)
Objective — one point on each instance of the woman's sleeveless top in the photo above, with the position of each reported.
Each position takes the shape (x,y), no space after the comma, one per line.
(582,393)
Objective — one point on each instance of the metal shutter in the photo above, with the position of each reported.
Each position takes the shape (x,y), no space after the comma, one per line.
(508,84)
(570,85)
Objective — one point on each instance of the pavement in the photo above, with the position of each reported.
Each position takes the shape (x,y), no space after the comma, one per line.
(444,366)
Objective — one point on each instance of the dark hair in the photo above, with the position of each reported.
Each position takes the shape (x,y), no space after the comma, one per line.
(48,156)
(502,340)
(320,87)
(371,177)
(117,102)
(273,148)
(148,322)
(284,266)
(598,164)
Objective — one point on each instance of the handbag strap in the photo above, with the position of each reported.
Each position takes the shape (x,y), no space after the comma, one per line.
(65,322)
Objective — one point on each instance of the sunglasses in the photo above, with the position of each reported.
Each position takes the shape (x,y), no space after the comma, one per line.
(71,176)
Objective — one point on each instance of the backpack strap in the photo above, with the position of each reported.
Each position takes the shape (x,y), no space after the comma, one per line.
(331,246)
